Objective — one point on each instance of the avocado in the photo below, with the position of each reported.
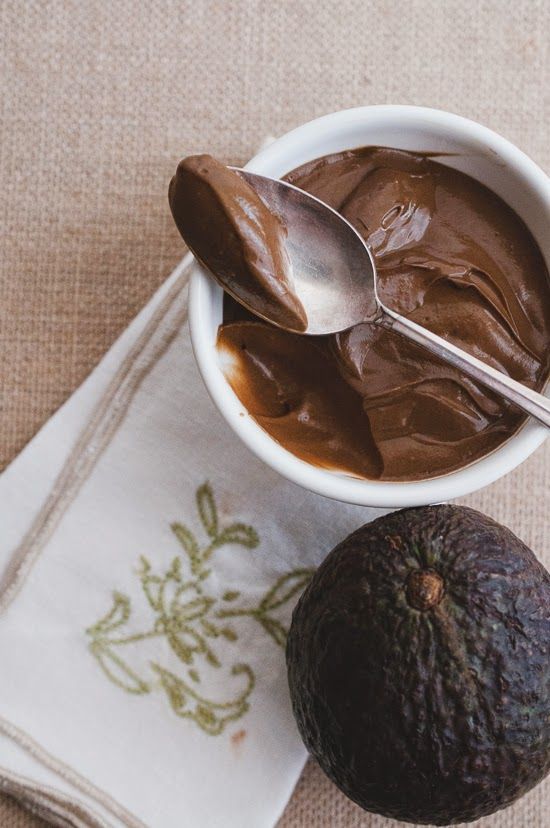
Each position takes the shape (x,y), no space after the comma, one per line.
(418,665)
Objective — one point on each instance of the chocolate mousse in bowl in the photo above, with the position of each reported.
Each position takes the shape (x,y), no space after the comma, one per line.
(450,212)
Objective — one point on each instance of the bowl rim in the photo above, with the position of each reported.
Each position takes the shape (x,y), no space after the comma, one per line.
(205,294)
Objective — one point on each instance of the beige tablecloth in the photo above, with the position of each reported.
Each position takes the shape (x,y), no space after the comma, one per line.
(100,99)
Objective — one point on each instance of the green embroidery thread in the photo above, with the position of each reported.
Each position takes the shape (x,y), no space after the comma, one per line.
(189,620)
(285,588)
(210,716)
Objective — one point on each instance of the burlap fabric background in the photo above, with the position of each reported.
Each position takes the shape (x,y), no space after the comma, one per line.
(100,99)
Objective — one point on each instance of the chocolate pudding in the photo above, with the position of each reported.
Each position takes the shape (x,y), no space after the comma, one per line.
(452,256)
(231,231)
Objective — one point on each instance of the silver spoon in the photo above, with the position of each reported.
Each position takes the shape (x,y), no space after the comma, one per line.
(335,279)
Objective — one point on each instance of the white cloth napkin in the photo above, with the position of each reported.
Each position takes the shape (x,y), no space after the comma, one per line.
(149,565)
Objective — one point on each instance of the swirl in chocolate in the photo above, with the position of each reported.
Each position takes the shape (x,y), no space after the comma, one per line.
(452,256)
(231,231)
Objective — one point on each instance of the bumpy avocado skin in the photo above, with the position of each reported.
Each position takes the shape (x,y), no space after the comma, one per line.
(438,715)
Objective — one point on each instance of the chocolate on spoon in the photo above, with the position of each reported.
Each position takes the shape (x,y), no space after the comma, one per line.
(242,243)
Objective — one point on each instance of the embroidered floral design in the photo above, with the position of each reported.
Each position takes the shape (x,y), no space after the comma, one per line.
(189,619)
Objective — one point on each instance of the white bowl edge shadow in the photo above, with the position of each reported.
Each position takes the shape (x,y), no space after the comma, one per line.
(472,148)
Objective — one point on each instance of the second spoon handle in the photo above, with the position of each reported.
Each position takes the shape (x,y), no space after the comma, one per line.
(515,392)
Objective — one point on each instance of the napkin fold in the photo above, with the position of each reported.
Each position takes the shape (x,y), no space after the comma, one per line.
(148,569)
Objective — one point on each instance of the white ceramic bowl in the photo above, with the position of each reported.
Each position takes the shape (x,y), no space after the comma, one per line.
(477,151)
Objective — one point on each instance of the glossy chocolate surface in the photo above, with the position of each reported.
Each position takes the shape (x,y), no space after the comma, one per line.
(453,257)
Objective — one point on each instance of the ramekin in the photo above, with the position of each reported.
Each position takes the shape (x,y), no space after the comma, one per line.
(472,148)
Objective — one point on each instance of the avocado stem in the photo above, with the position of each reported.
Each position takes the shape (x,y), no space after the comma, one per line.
(424,589)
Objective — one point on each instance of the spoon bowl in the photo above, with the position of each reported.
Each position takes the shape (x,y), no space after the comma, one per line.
(332,266)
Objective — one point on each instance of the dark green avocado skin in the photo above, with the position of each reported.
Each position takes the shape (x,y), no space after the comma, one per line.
(439,715)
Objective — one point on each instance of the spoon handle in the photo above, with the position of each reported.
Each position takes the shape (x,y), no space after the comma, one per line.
(515,392)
